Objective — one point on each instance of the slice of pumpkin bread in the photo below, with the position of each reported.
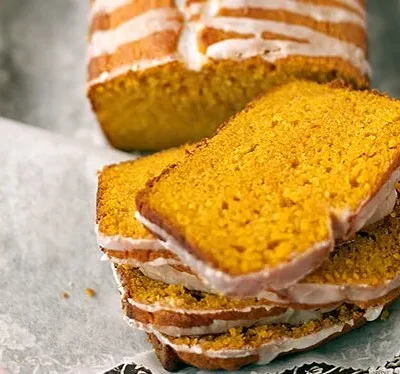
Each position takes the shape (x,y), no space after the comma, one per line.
(260,204)
(117,230)
(258,344)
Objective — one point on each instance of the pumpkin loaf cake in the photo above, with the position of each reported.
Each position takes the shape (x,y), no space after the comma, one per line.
(261,203)
(178,311)
(258,344)
(364,271)
(361,271)
(162,73)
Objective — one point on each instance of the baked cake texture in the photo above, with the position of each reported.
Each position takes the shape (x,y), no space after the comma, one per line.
(199,327)
(363,271)
(164,72)
(117,189)
(360,271)
(213,332)
(256,345)
(178,311)
(261,203)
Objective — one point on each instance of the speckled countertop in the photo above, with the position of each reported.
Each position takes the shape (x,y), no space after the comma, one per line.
(43,56)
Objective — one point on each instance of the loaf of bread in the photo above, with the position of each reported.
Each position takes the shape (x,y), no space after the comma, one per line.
(165,72)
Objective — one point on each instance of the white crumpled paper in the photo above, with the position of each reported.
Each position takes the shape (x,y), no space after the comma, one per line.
(48,246)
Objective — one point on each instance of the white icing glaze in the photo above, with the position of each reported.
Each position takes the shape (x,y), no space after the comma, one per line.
(268,351)
(106,6)
(170,275)
(158,262)
(353,4)
(372,314)
(146,24)
(135,66)
(346,224)
(280,277)
(319,44)
(157,307)
(299,293)
(383,209)
(320,13)
(188,46)
(181,5)
(370,209)
(219,326)
(122,243)
(118,281)
(156,20)
(320,294)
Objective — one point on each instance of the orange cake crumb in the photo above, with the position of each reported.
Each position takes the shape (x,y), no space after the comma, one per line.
(117,189)
(265,188)
(148,291)
(65,295)
(90,292)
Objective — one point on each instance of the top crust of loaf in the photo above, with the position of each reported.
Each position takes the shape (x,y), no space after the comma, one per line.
(279,180)
(144,34)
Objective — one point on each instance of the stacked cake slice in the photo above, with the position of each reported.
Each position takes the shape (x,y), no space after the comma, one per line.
(279,233)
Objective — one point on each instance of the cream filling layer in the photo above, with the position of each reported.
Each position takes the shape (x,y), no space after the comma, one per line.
(346,223)
(293,317)
(270,350)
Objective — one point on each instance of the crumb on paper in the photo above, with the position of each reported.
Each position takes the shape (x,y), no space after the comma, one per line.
(385,315)
(65,295)
(90,292)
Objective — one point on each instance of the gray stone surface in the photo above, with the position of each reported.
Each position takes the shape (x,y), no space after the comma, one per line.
(43,63)
(43,56)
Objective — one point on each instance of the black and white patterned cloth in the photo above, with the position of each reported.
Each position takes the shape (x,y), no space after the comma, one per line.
(392,367)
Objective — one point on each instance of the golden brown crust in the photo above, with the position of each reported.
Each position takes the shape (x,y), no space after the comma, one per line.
(167,356)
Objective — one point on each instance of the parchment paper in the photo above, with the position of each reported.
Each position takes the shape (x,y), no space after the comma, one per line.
(47,247)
